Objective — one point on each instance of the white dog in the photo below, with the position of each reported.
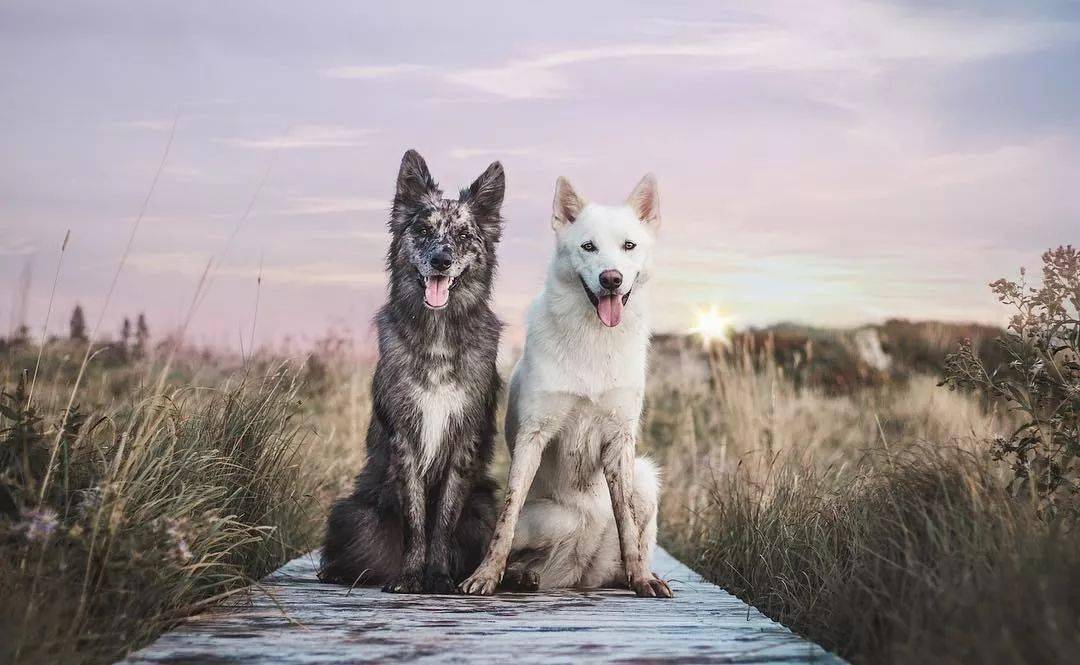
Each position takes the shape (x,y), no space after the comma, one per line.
(584,508)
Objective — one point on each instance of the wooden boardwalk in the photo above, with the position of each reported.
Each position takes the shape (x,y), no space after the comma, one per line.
(308,622)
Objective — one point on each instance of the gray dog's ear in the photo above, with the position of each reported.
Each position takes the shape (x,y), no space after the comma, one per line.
(414,182)
(485,195)
(567,205)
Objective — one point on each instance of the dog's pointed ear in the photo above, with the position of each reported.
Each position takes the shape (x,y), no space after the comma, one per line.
(645,201)
(414,183)
(485,195)
(567,205)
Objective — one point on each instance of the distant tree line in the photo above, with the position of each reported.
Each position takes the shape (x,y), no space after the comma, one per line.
(134,341)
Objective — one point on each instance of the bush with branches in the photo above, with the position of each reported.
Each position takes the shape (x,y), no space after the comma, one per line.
(1040,379)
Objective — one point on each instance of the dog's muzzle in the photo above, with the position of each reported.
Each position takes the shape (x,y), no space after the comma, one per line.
(609,304)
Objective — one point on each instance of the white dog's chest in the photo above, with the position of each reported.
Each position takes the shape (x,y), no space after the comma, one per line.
(600,371)
(437,404)
(573,460)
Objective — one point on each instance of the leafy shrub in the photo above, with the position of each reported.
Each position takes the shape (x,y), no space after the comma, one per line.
(1041,380)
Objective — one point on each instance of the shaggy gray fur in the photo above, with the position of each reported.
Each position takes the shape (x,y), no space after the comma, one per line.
(419,522)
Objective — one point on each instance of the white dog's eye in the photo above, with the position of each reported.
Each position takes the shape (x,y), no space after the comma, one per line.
(629,245)
(588,246)
(464,235)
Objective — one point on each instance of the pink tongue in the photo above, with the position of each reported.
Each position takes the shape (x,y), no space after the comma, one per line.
(610,310)
(437,291)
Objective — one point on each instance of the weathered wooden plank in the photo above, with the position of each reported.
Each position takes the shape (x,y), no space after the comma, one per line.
(329,624)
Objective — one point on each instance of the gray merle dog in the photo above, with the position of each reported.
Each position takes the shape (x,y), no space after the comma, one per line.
(422,510)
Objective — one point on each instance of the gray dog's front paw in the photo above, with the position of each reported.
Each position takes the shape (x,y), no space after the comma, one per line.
(439,583)
(405,583)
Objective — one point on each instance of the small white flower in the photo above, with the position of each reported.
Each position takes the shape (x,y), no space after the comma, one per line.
(183,552)
(177,533)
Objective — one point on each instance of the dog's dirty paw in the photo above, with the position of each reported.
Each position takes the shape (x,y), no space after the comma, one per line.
(661,587)
(405,583)
(520,579)
(480,583)
(651,586)
(439,583)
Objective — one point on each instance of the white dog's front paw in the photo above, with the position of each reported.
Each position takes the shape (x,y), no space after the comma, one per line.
(480,583)
(651,586)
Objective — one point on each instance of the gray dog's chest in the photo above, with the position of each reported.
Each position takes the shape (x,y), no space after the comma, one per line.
(438,403)
(437,389)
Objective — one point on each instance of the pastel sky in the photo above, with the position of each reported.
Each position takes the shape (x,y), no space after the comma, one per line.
(830,163)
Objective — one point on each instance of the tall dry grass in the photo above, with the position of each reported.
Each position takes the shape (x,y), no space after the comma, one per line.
(872,521)
(875,523)
(162,497)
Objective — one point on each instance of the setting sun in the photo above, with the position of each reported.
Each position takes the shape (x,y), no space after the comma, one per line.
(714,325)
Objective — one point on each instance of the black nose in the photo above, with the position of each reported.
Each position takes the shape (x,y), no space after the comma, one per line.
(441,260)
(611,279)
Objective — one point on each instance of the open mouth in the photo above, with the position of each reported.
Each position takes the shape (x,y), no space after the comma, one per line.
(609,306)
(436,290)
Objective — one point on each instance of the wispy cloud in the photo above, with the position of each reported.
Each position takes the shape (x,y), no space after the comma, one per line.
(193,264)
(321,205)
(996,164)
(184,173)
(306,137)
(862,39)
(367,235)
(997,169)
(549,155)
(16,247)
(469,153)
(370,72)
(143,124)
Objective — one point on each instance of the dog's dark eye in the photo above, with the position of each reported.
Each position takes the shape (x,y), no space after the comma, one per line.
(588,246)
(463,236)
(628,245)
(423,231)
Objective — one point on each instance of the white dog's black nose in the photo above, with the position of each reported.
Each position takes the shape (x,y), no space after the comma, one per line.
(611,279)
(441,260)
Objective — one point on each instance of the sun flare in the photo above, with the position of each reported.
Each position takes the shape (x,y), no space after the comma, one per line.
(713,325)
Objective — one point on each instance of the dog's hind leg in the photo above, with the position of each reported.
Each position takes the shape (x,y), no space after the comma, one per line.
(362,547)
(555,541)
(523,570)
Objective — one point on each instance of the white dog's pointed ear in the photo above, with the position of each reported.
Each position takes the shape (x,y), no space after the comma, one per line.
(567,206)
(645,201)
